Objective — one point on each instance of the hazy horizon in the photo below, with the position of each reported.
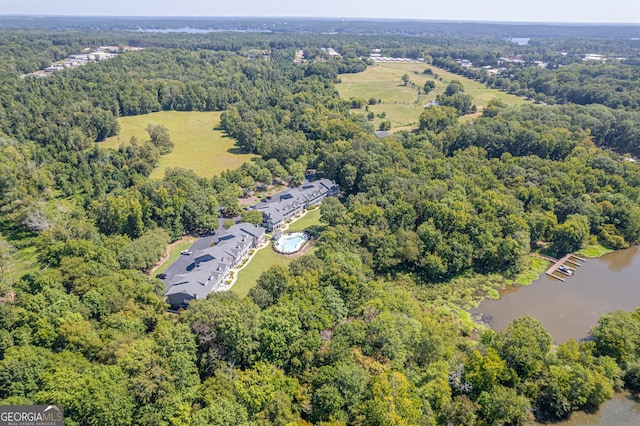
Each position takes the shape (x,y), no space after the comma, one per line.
(491,11)
(320,18)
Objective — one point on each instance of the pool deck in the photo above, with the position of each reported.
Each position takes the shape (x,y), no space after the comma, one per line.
(281,246)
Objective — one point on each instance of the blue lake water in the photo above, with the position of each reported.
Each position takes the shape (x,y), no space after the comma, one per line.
(522,41)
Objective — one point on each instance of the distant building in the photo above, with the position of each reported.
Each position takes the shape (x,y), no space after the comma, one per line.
(212,266)
(332,52)
(593,57)
(293,201)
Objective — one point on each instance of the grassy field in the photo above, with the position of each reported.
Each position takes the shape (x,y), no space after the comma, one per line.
(312,218)
(197,145)
(402,104)
(265,258)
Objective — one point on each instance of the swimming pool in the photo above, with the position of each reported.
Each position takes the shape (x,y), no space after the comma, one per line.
(290,243)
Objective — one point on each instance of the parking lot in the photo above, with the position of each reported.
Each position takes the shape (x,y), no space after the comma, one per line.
(180,265)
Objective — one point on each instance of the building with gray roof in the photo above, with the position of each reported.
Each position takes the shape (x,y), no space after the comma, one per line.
(293,201)
(212,266)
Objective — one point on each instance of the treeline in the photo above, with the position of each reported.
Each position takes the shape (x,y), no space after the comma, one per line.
(612,84)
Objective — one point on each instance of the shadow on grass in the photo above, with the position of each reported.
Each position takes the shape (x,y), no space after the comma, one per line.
(18,235)
(237,151)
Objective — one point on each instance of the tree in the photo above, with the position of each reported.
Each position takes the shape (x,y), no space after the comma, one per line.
(160,138)
(384,125)
(263,385)
(391,400)
(251,216)
(462,102)
(36,218)
(429,85)
(454,87)
(357,103)
(145,251)
(221,412)
(405,79)
(438,118)
(524,346)
(271,285)
(494,106)
(121,214)
(571,235)
(617,335)
(504,406)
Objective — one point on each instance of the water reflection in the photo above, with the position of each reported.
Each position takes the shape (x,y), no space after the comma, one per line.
(623,260)
(621,410)
(571,308)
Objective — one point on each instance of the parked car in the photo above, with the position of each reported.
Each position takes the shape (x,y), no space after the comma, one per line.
(186,252)
(565,270)
(161,276)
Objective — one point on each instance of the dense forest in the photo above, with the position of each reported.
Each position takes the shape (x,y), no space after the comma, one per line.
(366,329)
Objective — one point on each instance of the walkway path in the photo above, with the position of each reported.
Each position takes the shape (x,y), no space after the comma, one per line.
(265,243)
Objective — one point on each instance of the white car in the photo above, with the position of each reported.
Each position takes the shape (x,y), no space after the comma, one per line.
(186,252)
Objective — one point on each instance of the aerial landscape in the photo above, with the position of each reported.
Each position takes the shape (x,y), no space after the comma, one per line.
(347,214)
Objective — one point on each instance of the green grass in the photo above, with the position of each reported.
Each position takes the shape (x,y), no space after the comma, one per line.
(537,268)
(26,262)
(263,260)
(312,218)
(595,250)
(198,146)
(402,104)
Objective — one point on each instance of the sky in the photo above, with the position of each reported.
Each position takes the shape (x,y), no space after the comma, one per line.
(578,11)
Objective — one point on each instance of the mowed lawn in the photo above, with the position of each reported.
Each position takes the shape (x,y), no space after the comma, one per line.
(198,146)
(402,104)
(265,258)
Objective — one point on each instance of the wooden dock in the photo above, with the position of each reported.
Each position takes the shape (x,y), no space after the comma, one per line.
(570,259)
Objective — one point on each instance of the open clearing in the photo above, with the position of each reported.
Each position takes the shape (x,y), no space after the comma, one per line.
(198,146)
(402,104)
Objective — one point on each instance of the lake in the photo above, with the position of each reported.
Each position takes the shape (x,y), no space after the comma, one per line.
(569,309)
(520,40)
(621,410)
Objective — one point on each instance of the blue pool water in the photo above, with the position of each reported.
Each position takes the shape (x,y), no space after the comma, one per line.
(292,243)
